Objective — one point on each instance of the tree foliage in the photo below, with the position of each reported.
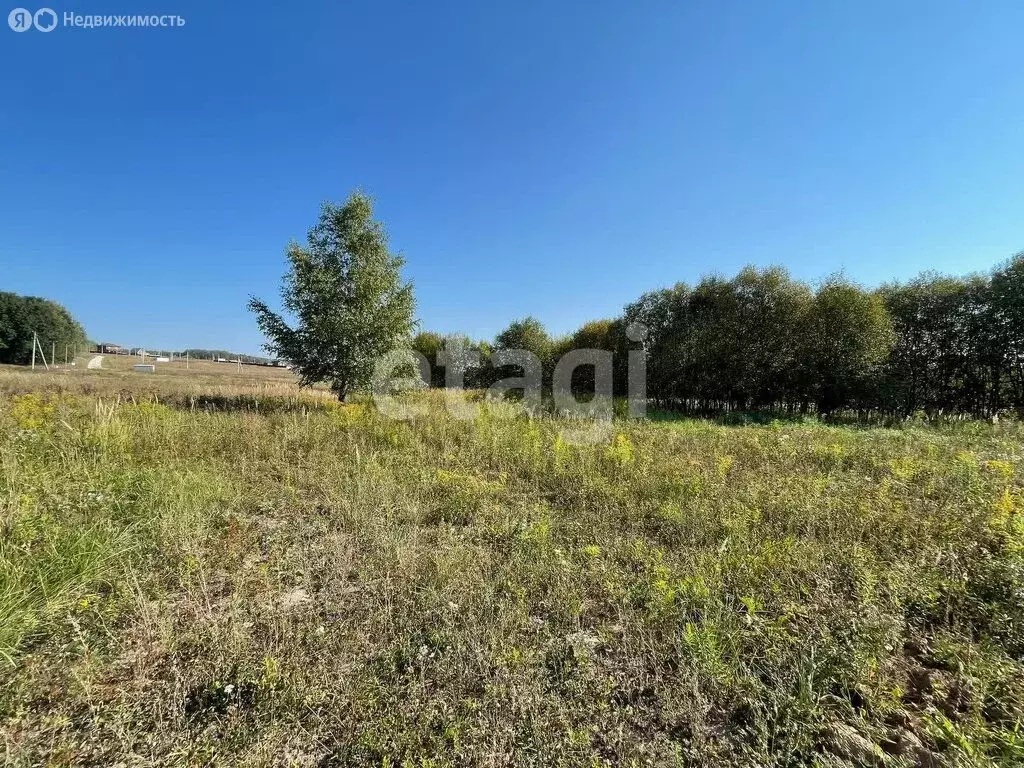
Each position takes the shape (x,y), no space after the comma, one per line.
(762,340)
(346,292)
(759,340)
(472,357)
(1006,352)
(21,316)
(529,334)
(845,336)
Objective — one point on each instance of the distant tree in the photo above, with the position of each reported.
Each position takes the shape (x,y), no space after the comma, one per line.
(471,357)
(936,361)
(846,335)
(345,289)
(11,324)
(21,316)
(664,315)
(763,334)
(759,339)
(530,335)
(1007,325)
(731,342)
(762,340)
(596,334)
(216,354)
(429,344)
(483,376)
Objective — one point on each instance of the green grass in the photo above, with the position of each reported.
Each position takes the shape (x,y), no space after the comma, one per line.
(314,584)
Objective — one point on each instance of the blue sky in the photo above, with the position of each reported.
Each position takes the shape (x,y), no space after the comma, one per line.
(554,159)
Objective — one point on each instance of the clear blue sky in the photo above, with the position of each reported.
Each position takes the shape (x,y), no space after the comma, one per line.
(554,159)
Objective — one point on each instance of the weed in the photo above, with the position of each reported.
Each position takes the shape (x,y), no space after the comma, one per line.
(238,570)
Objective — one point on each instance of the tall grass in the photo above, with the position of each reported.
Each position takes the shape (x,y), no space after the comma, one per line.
(310,583)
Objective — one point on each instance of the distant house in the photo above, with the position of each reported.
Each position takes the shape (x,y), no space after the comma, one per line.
(111,349)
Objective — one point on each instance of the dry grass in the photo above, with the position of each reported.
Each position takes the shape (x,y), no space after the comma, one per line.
(196,383)
(283,580)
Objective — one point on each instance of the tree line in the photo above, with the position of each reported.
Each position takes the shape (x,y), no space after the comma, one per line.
(765,341)
(760,340)
(52,324)
(223,354)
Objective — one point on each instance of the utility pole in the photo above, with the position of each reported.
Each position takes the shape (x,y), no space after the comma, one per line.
(53,352)
(186,359)
(37,345)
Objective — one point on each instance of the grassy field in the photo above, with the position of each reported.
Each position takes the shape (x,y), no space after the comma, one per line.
(211,567)
(184,384)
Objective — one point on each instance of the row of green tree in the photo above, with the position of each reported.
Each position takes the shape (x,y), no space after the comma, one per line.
(765,341)
(23,318)
(760,340)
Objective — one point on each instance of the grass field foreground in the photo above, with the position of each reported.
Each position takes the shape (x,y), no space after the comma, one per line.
(269,576)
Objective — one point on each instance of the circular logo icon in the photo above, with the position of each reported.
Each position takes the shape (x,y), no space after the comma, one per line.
(45,20)
(20,19)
